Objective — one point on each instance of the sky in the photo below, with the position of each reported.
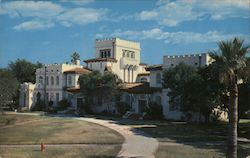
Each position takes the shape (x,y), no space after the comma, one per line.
(50,31)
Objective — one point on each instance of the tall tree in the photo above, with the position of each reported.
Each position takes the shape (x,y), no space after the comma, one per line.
(74,57)
(24,70)
(95,85)
(230,60)
(8,87)
(190,88)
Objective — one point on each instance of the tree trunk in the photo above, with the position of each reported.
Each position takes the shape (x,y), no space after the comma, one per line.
(233,120)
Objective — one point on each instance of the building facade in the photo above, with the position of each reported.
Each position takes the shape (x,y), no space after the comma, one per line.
(119,56)
(55,82)
(142,84)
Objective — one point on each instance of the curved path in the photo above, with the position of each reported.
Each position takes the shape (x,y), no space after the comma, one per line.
(137,143)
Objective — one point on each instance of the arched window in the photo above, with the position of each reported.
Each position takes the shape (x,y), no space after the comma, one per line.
(128,54)
(69,80)
(57,80)
(52,80)
(105,54)
(40,79)
(158,78)
(158,99)
(108,54)
(133,55)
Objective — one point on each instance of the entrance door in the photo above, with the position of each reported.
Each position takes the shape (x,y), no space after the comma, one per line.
(79,102)
(141,106)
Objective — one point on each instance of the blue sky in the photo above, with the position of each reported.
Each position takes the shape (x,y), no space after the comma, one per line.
(49,31)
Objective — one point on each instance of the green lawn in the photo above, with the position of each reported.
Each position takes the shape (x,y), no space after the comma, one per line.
(62,152)
(192,138)
(53,130)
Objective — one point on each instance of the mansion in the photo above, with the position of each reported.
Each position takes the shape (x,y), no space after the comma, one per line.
(141,82)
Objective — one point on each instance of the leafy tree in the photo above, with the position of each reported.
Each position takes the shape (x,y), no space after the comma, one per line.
(176,80)
(39,103)
(194,90)
(122,107)
(244,100)
(24,70)
(95,85)
(230,61)
(74,57)
(154,111)
(8,87)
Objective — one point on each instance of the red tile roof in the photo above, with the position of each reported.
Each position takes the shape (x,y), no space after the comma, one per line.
(154,67)
(138,88)
(143,74)
(100,59)
(78,71)
(73,90)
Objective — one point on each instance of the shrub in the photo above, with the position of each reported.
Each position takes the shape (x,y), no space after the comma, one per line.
(62,105)
(38,106)
(122,108)
(154,111)
(85,109)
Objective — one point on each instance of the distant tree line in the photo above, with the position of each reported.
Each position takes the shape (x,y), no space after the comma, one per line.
(12,76)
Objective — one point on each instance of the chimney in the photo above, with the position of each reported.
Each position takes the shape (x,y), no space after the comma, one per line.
(77,62)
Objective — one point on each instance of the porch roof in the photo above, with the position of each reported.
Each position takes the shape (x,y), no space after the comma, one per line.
(78,71)
(143,74)
(73,89)
(154,67)
(139,88)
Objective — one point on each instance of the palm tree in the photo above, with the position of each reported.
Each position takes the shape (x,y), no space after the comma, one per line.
(229,62)
(74,57)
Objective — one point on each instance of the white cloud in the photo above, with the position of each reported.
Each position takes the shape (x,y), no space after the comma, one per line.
(172,13)
(43,13)
(81,16)
(33,25)
(38,9)
(172,37)
(78,2)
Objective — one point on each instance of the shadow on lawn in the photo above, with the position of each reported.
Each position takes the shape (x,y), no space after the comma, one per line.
(199,136)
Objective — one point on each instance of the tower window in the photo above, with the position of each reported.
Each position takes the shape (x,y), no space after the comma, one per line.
(158,78)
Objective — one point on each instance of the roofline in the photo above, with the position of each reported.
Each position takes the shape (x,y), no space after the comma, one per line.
(100,59)
(154,67)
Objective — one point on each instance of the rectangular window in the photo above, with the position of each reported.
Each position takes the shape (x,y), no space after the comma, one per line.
(47,80)
(69,80)
(57,97)
(57,80)
(47,97)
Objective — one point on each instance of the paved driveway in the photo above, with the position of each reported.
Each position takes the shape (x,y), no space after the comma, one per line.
(137,143)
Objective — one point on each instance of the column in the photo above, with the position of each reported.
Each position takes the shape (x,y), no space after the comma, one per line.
(128,74)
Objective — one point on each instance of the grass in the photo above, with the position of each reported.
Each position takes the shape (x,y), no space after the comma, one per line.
(192,139)
(53,130)
(6,119)
(62,152)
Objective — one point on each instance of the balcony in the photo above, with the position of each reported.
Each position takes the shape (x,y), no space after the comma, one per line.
(125,62)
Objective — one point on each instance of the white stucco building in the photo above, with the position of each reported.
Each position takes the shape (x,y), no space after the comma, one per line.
(172,111)
(120,56)
(141,83)
(55,82)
